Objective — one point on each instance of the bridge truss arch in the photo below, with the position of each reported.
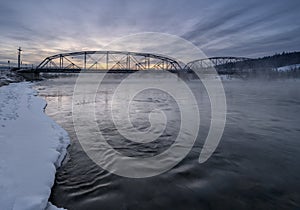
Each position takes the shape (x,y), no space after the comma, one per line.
(206,63)
(107,60)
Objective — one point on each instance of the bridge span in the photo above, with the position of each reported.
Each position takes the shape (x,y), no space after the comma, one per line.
(127,62)
(213,62)
(120,61)
(107,60)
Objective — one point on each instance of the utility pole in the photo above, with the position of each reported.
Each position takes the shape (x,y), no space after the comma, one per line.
(19,58)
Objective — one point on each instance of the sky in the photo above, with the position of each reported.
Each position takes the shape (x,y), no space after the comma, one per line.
(252,28)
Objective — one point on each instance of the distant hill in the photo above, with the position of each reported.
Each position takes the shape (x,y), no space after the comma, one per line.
(274,61)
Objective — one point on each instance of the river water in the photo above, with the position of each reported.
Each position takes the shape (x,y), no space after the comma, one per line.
(255,166)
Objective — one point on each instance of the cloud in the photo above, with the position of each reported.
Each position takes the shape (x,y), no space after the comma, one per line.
(229,27)
(244,30)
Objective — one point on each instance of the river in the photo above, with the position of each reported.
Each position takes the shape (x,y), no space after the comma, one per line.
(255,166)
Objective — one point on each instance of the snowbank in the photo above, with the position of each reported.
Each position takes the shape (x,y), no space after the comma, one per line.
(7,76)
(32,146)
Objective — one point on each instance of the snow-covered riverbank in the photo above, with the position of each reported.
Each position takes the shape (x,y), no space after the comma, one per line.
(32,146)
(7,76)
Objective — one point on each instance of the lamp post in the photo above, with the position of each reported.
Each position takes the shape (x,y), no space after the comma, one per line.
(19,57)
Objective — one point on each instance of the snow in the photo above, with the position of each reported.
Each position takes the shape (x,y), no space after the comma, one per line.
(288,68)
(7,77)
(32,147)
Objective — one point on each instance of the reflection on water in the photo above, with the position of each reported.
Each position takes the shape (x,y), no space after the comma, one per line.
(255,166)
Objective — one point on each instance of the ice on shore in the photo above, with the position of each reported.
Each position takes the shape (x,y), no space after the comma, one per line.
(32,146)
(7,76)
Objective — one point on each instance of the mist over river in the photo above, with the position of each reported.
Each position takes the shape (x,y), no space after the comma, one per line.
(255,166)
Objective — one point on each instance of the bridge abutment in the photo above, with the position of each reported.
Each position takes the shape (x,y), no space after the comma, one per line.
(30,75)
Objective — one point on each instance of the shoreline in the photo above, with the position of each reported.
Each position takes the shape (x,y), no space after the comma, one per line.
(8,76)
(33,147)
(42,108)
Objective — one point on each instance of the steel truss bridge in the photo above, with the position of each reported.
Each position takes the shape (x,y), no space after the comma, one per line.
(123,61)
(107,60)
(215,62)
